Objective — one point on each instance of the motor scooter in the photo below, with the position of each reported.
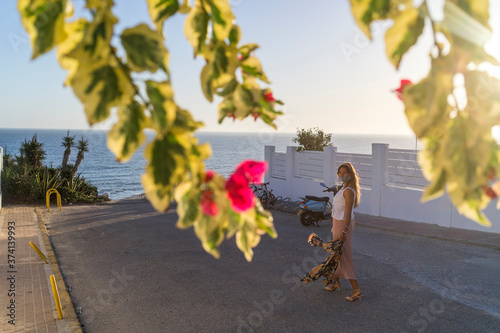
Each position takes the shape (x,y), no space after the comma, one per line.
(315,209)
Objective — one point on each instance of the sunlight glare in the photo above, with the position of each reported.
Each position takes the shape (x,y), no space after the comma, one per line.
(495,133)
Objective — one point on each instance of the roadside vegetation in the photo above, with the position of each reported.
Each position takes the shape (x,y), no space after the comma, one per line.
(25,180)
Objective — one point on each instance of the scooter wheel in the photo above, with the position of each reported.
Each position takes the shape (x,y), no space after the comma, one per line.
(307,218)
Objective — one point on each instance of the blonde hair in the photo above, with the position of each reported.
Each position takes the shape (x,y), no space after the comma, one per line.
(353,182)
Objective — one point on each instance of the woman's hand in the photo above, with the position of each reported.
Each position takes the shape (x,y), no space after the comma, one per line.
(342,238)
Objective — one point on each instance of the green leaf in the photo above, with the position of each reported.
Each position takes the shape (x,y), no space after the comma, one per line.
(223,18)
(99,4)
(185,7)
(254,88)
(246,50)
(97,86)
(224,65)
(161,10)
(206,78)
(252,66)
(219,70)
(127,135)
(96,44)
(367,11)
(145,49)
(166,167)
(75,32)
(225,107)
(436,187)
(44,22)
(188,204)
(426,103)
(196,28)
(221,60)
(229,88)
(96,75)
(184,122)
(265,220)
(483,98)
(211,234)
(465,154)
(234,35)
(161,97)
(248,235)
(243,102)
(408,26)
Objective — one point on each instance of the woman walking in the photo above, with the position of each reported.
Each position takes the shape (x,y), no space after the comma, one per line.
(344,201)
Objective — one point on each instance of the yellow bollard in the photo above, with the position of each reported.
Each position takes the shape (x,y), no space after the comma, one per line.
(47,198)
(56,296)
(37,250)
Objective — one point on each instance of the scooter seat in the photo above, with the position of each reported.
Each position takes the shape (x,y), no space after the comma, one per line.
(311,197)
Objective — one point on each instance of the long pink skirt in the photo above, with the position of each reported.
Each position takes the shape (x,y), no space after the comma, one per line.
(346,268)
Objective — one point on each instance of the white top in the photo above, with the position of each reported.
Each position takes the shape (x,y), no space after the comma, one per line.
(338,209)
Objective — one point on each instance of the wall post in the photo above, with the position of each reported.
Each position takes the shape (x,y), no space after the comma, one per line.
(290,169)
(379,176)
(329,172)
(268,157)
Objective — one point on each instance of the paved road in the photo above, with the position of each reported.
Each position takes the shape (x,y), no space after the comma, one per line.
(131,270)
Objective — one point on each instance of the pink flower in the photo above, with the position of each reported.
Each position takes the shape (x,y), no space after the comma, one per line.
(208,206)
(399,91)
(240,195)
(240,56)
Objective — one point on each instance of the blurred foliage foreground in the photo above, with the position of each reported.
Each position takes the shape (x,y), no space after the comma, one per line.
(452,110)
(459,153)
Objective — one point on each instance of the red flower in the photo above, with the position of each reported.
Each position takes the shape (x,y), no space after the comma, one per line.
(489,192)
(230,114)
(240,195)
(209,175)
(208,206)
(240,56)
(399,91)
(255,114)
(268,97)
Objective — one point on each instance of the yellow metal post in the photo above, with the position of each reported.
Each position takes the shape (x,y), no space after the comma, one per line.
(56,296)
(37,250)
(47,198)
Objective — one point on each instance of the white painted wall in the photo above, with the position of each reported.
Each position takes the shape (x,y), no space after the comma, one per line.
(392,184)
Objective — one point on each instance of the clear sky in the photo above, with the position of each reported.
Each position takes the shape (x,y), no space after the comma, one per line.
(301,52)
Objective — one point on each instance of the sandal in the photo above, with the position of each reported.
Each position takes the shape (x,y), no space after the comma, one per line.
(333,287)
(354,296)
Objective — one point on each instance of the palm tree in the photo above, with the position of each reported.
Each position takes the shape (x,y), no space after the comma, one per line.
(83,147)
(32,152)
(68,142)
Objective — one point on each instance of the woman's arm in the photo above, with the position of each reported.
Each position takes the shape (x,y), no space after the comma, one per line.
(349,200)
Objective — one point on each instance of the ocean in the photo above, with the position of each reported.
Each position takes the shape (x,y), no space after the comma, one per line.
(122,180)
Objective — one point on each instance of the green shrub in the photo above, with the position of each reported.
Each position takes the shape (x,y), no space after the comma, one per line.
(26,181)
(312,139)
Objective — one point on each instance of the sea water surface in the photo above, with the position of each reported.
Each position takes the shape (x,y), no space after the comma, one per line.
(122,180)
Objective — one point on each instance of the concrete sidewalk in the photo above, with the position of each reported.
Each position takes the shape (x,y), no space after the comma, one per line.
(471,237)
(26,294)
